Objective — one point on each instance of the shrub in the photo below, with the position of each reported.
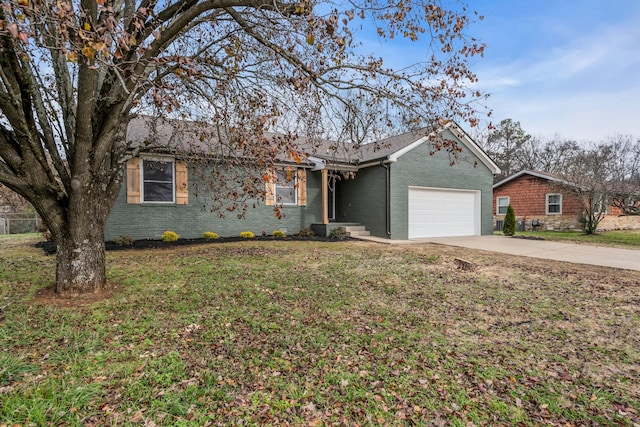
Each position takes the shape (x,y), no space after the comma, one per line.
(247,235)
(338,233)
(124,240)
(170,236)
(588,223)
(509,227)
(209,235)
(279,234)
(306,232)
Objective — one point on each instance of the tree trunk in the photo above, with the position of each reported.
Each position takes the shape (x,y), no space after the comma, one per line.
(80,257)
(80,260)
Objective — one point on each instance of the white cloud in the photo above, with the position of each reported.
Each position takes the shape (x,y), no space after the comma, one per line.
(586,88)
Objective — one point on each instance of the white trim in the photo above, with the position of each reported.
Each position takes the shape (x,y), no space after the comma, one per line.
(498,204)
(376,163)
(393,157)
(318,163)
(158,158)
(546,203)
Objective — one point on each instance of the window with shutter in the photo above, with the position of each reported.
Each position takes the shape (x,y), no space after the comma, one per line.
(286,187)
(157,180)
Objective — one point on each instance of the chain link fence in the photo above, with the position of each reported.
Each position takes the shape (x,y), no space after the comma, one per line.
(18,223)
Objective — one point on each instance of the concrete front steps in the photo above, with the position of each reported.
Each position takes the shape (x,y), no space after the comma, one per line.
(353,229)
(357,230)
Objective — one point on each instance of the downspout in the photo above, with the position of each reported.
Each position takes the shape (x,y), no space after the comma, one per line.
(387,179)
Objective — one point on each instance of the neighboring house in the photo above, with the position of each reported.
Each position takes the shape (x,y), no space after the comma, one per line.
(401,188)
(539,202)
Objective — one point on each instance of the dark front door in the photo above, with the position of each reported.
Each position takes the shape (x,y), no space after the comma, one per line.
(332,196)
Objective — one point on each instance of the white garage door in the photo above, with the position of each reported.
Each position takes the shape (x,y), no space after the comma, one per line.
(440,212)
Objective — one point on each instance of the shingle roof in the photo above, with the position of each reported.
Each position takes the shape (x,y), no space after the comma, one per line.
(199,138)
(544,175)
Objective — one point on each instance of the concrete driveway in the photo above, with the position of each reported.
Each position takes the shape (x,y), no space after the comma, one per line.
(569,252)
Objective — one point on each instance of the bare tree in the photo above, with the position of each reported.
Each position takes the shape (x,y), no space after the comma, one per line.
(546,155)
(11,201)
(588,176)
(602,175)
(74,71)
(625,174)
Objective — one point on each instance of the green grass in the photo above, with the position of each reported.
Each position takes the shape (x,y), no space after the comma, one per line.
(618,238)
(301,333)
(20,237)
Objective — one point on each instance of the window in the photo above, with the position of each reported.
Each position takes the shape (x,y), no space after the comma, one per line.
(158,184)
(554,203)
(502,204)
(285,187)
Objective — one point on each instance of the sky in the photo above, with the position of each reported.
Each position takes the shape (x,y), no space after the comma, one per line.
(562,68)
(567,67)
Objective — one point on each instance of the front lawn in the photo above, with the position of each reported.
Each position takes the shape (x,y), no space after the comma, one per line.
(312,333)
(19,237)
(617,238)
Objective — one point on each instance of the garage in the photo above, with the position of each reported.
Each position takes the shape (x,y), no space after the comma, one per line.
(442,212)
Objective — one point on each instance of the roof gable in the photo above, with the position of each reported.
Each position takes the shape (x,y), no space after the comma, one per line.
(544,175)
(461,136)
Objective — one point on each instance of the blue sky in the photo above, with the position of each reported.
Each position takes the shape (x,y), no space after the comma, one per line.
(562,67)
(569,68)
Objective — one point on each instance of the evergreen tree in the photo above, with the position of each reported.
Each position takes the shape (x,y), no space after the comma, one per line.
(509,227)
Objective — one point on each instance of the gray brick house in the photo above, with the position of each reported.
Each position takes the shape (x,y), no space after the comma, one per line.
(404,187)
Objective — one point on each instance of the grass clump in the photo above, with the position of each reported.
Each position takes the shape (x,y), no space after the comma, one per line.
(170,236)
(613,238)
(210,235)
(247,235)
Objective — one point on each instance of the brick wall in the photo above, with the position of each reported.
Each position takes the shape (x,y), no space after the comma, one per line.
(149,220)
(528,197)
(422,169)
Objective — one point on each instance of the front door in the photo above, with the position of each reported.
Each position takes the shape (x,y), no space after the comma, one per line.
(332,197)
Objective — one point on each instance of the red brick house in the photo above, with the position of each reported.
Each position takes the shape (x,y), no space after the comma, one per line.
(540,203)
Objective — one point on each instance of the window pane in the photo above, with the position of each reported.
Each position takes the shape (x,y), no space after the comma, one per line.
(503,203)
(157,181)
(158,171)
(158,192)
(286,192)
(286,196)
(554,208)
(554,199)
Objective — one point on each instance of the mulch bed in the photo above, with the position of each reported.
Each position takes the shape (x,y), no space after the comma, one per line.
(49,248)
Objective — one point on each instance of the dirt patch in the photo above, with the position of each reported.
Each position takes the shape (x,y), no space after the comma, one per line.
(48,296)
